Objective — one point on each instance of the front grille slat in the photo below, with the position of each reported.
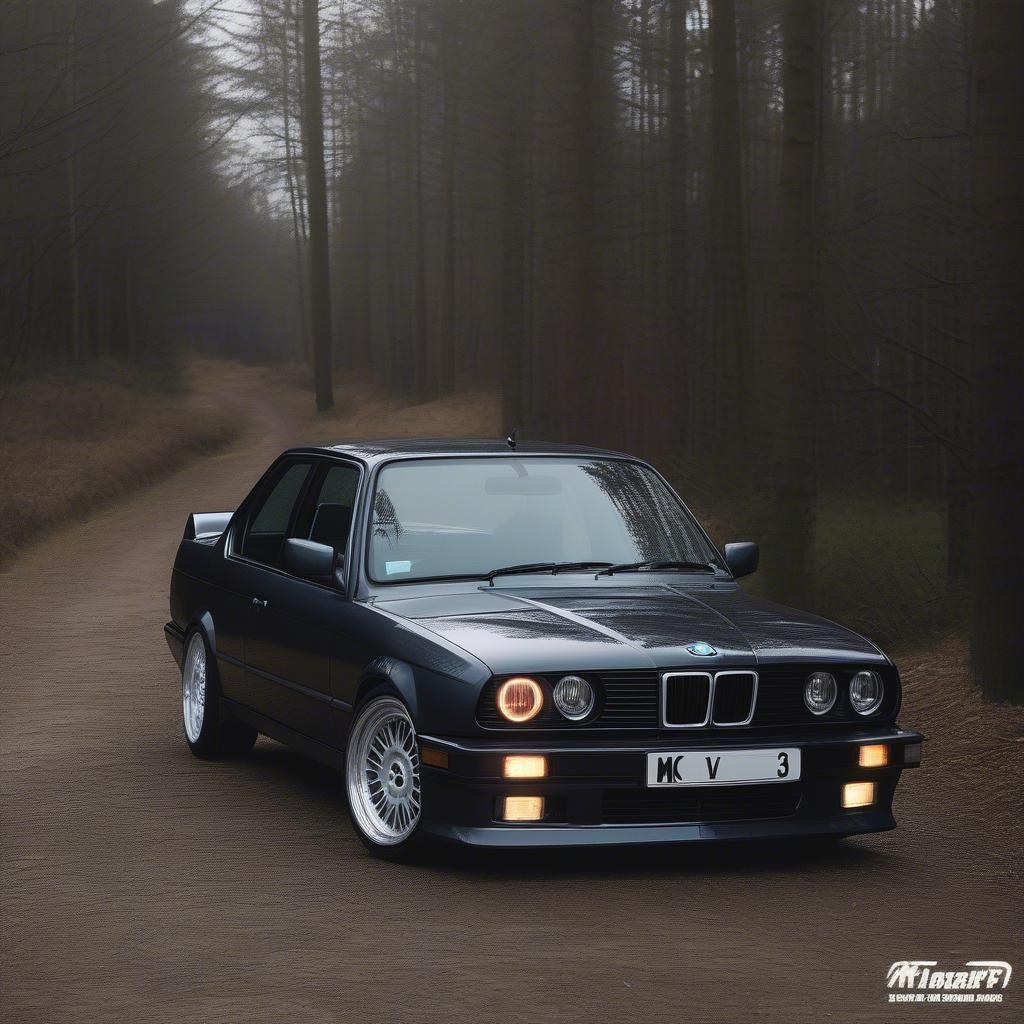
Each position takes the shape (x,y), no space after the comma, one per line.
(734,697)
(686,699)
(639,806)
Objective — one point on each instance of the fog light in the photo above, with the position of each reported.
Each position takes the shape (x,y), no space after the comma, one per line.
(858,794)
(874,755)
(525,766)
(524,808)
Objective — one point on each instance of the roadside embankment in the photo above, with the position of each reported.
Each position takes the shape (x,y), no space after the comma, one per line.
(72,443)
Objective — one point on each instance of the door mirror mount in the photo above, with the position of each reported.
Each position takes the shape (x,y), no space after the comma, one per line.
(742,557)
(310,561)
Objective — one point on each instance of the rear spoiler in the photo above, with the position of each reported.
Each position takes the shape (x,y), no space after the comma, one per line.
(206,525)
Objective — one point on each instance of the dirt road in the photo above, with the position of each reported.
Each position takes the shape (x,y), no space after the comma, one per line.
(139,884)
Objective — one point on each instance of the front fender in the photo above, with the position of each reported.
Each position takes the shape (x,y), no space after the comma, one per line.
(437,703)
(394,675)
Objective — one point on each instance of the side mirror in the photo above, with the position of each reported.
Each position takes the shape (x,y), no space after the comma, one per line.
(742,557)
(310,561)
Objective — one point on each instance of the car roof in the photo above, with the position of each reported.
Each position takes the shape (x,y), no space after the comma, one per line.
(383,449)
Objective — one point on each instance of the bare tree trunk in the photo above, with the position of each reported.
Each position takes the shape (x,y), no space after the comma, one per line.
(586,354)
(422,355)
(795,361)
(678,346)
(446,368)
(958,477)
(298,35)
(298,221)
(997,554)
(316,187)
(364,257)
(730,313)
(398,358)
(517,120)
(71,185)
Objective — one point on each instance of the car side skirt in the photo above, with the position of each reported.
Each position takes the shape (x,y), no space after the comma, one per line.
(298,741)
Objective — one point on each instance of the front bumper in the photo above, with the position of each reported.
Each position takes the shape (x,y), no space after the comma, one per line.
(595,792)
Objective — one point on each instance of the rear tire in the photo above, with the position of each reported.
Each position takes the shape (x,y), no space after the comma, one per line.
(208,735)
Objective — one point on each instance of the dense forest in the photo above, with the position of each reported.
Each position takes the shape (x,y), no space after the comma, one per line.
(771,244)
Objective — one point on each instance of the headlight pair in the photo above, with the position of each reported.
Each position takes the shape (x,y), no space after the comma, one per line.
(866,692)
(521,699)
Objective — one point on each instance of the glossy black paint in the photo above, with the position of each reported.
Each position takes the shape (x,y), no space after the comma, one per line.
(742,557)
(310,561)
(297,650)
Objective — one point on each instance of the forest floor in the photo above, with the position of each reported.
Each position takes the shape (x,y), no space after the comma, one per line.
(70,443)
(137,883)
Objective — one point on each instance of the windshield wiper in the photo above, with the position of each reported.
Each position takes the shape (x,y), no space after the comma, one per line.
(654,566)
(551,567)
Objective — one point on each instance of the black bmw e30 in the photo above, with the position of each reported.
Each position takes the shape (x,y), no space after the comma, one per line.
(524,647)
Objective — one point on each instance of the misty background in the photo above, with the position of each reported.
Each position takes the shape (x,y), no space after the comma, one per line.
(774,247)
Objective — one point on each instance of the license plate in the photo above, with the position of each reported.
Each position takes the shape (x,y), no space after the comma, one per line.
(722,767)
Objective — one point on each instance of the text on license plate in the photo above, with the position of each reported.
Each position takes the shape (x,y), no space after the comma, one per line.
(715,767)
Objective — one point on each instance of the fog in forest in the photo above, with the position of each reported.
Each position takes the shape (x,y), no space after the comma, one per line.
(774,247)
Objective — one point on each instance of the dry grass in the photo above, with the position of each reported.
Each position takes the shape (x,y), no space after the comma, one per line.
(361,411)
(71,444)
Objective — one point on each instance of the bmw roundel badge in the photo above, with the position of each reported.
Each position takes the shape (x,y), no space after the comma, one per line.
(701,649)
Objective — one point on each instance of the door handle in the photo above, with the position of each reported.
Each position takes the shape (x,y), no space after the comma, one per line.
(259,602)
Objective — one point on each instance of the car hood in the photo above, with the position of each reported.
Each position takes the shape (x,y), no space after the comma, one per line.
(547,629)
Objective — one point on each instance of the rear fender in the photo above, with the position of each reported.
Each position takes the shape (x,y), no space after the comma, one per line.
(204,623)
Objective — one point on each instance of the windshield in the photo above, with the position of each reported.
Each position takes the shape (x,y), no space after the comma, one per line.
(469,516)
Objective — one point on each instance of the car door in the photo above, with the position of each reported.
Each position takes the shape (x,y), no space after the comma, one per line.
(293,621)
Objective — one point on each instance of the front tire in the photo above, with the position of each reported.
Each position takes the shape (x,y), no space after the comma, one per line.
(382,779)
(206,733)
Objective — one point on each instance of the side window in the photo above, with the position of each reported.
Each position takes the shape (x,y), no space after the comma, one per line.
(327,519)
(269,525)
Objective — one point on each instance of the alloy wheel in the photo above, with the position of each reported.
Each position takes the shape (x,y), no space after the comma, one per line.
(193,688)
(383,773)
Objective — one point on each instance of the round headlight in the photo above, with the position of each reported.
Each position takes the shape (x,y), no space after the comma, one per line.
(866,692)
(520,699)
(820,692)
(574,697)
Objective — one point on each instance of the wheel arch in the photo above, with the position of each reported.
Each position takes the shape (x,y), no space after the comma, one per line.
(203,622)
(392,676)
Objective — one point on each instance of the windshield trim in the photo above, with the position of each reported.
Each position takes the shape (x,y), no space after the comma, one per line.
(371,497)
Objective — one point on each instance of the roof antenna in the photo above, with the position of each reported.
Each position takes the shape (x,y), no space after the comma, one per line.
(513,436)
